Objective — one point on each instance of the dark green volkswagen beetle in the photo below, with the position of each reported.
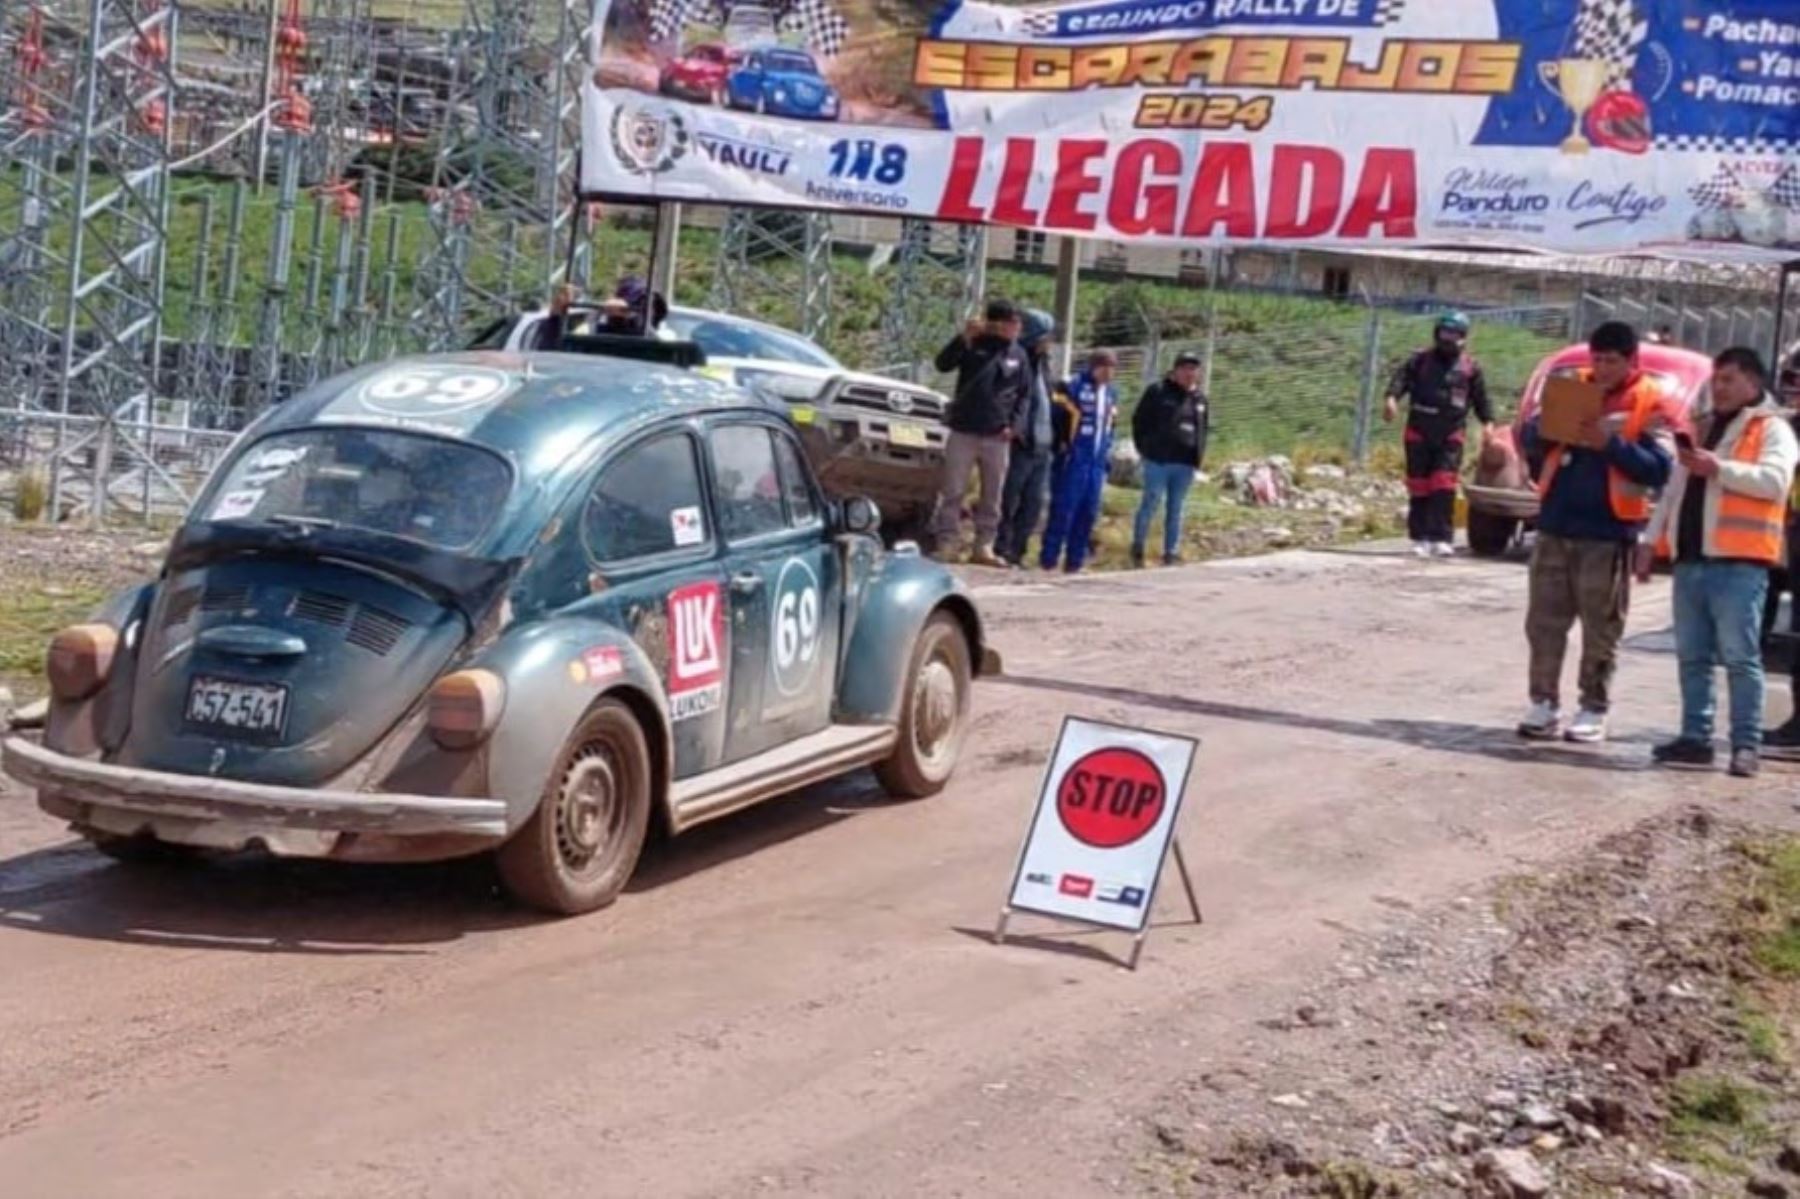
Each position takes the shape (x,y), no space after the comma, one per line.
(525,603)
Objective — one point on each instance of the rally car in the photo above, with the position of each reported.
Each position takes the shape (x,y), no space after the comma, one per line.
(1503,501)
(528,604)
(782,83)
(698,74)
(866,435)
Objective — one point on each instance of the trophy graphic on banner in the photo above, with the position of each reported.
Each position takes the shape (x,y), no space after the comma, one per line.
(1579,81)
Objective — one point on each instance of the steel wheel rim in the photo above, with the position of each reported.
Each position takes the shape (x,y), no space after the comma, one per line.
(590,812)
(936,712)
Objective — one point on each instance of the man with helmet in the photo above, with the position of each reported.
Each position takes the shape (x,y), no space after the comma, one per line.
(1441,384)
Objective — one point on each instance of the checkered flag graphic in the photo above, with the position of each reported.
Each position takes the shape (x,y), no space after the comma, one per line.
(1722,193)
(823,26)
(1613,32)
(1388,11)
(1785,191)
(1039,22)
(669,17)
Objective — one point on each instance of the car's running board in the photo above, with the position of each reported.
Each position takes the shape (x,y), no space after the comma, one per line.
(811,759)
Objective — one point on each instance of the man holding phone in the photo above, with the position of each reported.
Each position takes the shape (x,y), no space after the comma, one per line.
(1722,522)
(1595,502)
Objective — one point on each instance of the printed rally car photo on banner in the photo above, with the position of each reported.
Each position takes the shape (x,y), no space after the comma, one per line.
(1577,126)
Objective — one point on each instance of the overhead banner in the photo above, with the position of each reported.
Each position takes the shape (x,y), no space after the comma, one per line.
(1575,126)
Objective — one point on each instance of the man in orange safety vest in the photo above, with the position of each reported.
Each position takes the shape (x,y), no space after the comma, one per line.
(1722,521)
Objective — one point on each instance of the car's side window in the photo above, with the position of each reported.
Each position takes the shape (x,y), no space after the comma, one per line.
(803,510)
(648,502)
(749,483)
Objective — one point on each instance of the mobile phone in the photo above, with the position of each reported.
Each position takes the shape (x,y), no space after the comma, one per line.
(1684,443)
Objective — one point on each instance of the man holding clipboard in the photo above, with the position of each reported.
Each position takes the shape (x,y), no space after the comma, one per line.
(1605,453)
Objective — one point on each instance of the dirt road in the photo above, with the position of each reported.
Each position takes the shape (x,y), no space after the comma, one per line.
(803,1000)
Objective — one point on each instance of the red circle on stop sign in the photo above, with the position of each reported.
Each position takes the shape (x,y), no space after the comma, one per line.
(1111,798)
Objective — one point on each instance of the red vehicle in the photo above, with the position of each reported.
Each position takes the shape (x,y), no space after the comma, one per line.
(699,74)
(1503,499)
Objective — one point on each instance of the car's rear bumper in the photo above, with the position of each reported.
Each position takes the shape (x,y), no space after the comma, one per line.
(229,814)
(1515,502)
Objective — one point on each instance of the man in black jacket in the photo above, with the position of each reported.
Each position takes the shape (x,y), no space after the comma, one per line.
(1169,429)
(991,406)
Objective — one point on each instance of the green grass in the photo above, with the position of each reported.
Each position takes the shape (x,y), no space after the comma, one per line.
(1716,1121)
(1777,944)
(30,614)
(1761,1032)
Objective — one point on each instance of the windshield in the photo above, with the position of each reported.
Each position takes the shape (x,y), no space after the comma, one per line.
(444,494)
(792,62)
(734,339)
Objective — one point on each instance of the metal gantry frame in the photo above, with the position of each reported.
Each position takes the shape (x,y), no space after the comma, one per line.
(776,265)
(940,279)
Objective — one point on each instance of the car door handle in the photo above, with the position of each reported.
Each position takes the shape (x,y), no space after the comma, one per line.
(748,583)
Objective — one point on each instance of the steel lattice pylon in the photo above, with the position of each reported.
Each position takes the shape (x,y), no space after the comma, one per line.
(776,265)
(939,276)
(502,205)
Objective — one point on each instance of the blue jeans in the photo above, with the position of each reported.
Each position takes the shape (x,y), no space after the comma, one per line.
(1718,622)
(1164,483)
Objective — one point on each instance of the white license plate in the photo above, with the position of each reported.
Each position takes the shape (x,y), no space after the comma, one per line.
(248,709)
(911,436)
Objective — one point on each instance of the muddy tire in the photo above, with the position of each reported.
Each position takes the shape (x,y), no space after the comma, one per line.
(934,712)
(579,848)
(142,850)
(1490,534)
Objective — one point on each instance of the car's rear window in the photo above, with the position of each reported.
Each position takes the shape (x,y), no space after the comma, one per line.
(443,493)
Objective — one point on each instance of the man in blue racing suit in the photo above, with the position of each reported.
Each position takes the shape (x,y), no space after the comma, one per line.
(1085,409)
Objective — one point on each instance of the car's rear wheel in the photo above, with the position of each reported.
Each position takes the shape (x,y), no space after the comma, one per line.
(934,712)
(1490,533)
(579,848)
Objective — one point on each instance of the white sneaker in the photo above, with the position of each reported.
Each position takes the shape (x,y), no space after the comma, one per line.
(1588,728)
(1542,723)
(1443,549)
(1421,549)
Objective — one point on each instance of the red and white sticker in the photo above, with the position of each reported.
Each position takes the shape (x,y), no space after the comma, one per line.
(597,664)
(687,527)
(696,650)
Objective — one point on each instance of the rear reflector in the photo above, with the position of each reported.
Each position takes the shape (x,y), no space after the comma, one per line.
(465,707)
(81,659)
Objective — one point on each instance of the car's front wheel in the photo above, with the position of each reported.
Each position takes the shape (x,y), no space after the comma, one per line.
(579,848)
(934,712)
(1490,534)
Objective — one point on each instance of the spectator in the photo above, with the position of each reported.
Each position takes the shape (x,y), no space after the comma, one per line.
(993,398)
(1721,522)
(1028,466)
(1785,740)
(1169,428)
(1595,504)
(1441,385)
(632,310)
(1086,408)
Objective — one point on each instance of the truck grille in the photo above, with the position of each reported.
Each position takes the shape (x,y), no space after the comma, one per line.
(892,401)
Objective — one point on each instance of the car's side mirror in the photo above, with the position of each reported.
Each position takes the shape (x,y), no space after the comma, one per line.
(858,514)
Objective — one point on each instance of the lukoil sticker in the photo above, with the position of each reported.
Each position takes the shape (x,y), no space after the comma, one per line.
(236,505)
(796,631)
(597,664)
(696,650)
(687,527)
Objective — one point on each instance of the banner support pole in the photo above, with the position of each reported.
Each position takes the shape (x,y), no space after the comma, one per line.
(1781,299)
(1068,274)
(665,244)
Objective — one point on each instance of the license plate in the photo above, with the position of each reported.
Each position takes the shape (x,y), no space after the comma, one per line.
(911,436)
(241,709)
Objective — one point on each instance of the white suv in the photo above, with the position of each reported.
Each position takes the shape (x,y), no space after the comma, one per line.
(865,434)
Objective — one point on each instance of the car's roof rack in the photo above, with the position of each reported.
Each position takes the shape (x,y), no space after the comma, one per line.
(685,354)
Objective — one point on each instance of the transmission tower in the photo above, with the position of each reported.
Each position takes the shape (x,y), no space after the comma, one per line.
(940,272)
(776,266)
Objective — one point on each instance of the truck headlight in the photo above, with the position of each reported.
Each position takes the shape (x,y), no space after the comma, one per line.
(792,388)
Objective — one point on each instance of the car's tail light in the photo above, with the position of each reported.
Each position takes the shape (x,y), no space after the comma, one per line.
(81,658)
(465,707)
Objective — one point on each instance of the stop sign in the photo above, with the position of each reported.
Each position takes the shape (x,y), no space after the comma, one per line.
(1111,798)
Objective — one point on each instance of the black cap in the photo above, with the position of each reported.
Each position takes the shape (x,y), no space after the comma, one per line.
(1187,358)
(1002,310)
